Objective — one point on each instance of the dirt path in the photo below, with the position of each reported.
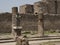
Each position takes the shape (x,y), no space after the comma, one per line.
(30,42)
(8,43)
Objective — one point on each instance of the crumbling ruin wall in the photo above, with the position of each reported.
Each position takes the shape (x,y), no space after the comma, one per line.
(29,22)
(40,7)
(26,9)
(51,22)
(5,22)
(53,6)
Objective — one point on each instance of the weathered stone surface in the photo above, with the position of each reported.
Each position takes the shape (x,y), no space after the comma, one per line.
(40,7)
(21,40)
(58,7)
(53,6)
(26,9)
(14,10)
(5,22)
(40,25)
(15,22)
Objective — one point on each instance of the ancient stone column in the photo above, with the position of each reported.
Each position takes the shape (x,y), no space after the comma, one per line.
(14,12)
(40,25)
(16,29)
(39,10)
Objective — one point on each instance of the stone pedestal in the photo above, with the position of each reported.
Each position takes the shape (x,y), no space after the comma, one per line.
(22,40)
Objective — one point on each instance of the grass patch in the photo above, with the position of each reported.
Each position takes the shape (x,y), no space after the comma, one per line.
(5,34)
(50,32)
(50,43)
(29,32)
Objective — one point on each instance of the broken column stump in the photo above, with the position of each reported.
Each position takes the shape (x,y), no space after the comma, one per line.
(40,25)
(22,40)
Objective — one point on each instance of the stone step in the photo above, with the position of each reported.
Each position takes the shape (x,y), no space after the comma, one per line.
(6,38)
(45,38)
(6,41)
(30,39)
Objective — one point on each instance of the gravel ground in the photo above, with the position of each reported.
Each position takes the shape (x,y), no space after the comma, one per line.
(34,42)
(12,43)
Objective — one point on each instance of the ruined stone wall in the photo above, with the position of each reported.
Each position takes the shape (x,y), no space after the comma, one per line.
(53,6)
(58,7)
(40,7)
(51,22)
(29,22)
(5,22)
(29,9)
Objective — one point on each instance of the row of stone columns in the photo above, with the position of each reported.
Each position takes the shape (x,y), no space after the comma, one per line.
(16,29)
(16,23)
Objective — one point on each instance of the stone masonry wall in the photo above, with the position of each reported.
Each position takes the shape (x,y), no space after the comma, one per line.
(5,22)
(53,6)
(28,8)
(29,22)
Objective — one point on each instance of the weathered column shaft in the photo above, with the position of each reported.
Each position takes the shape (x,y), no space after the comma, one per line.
(16,31)
(40,25)
(14,12)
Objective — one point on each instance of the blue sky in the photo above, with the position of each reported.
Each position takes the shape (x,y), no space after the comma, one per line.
(6,5)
